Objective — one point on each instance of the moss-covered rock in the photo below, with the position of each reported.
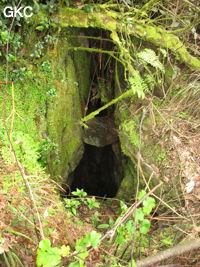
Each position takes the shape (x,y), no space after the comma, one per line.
(49,95)
(127,187)
(65,110)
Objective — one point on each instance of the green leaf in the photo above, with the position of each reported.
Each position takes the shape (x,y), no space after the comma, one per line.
(132,264)
(138,85)
(141,194)
(123,206)
(40,28)
(54,250)
(103,226)
(167,241)
(139,214)
(80,193)
(74,211)
(47,256)
(163,51)
(92,203)
(47,259)
(45,244)
(150,57)
(11,58)
(148,205)
(130,227)
(93,238)
(83,255)
(145,226)
(120,237)
(17,233)
(64,251)
(111,221)
(4,36)
(80,244)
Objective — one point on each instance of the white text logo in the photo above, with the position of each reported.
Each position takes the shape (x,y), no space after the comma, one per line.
(12,12)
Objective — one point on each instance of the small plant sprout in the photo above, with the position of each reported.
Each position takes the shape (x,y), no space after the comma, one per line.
(80,193)
(92,203)
(72,204)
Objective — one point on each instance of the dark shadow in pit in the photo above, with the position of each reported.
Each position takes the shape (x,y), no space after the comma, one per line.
(99,172)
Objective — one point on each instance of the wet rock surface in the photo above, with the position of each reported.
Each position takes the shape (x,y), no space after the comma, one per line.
(101,132)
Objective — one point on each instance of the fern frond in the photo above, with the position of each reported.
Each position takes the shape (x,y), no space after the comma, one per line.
(149,80)
(150,57)
(138,85)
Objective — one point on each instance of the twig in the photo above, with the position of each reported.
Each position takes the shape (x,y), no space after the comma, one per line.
(138,179)
(26,182)
(192,5)
(112,102)
(129,212)
(149,4)
(20,167)
(96,50)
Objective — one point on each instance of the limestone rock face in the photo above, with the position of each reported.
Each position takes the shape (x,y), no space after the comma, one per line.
(65,109)
(101,132)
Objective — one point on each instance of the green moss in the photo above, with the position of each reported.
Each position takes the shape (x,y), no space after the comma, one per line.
(102,21)
(79,18)
(82,67)
(30,98)
(49,104)
(24,109)
(64,111)
(114,21)
(127,187)
(161,37)
(129,128)
(70,17)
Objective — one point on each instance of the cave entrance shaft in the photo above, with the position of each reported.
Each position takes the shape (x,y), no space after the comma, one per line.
(99,172)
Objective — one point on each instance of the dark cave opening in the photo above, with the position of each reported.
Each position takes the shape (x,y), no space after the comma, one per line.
(99,172)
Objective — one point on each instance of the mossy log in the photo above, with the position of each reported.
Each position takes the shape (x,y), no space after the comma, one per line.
(114,22)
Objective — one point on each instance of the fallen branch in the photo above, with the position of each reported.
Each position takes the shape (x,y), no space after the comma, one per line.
(171,252)
(112,102)
(129,213)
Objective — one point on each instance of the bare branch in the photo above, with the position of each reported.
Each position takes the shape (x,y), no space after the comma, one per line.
(129,212)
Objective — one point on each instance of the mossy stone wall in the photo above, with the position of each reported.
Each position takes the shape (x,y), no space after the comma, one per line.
(71,73)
